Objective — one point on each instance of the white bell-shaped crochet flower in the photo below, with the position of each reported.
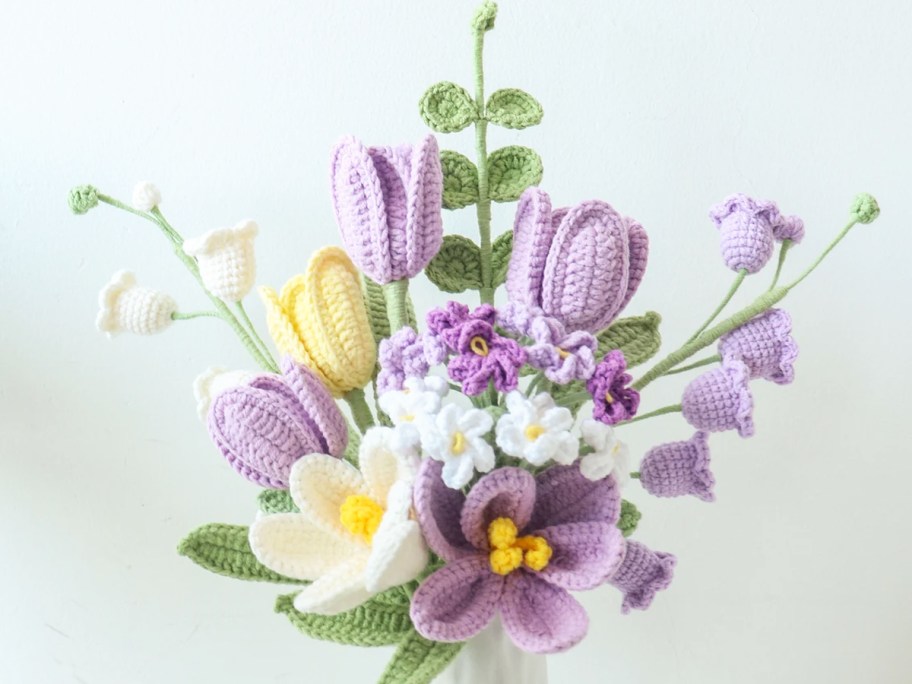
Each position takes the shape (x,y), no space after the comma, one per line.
(226,261)
(146,196)
(125,306)
(355,535)
(537,430)
(609,454)
(456,436)
(209,384)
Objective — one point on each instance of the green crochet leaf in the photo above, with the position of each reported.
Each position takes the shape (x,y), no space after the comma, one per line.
(460,180)
(513,108)
(276,501)
(457,266)
(418,661)
(447,107)
(375,623)
(637,337)
(630,518)
(224,550)
(500,257)
(511,170)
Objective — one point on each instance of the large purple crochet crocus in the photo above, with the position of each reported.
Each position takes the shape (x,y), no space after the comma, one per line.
(581,265)
(765,345)
(263,427)
(487,573)
(387,203)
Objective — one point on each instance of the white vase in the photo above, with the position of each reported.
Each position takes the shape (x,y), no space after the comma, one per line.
(491,658)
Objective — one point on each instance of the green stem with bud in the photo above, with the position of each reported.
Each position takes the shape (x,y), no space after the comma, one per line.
(483,206)
(742,274)
(396,295)
(674,408)
(180,316)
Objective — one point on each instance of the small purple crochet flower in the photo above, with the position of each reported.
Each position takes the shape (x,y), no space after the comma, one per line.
(563,357)
(679,469)
(401,356)
(515,545)
(746,228)
(387,203)
(789,228)
(642,574)
(482,355)
(614,400)
(721,399)
(263,427)
(517,317)
(765,345)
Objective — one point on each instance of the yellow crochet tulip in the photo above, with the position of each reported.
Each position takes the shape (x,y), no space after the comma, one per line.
(319,319)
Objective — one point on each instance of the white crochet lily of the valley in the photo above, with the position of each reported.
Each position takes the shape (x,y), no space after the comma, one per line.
(536,430)
(456,436)
(212,382)
(226,260)
(355,535)
(146,196)
(418,399)
(123,305)
(609,454)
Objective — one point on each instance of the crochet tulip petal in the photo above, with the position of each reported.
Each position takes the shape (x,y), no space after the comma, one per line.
(457,601)
(319,405)
(533,232)
(335,592)
(438,508)
(424,225)
(392,167)
(540,617)
(282,330)
(320,484)
(584,554)
(565,496)
(639,253)
(502,493)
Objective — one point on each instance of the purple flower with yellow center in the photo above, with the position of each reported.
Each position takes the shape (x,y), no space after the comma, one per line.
(482,356)
(563,357)
(515,545)
(614,400)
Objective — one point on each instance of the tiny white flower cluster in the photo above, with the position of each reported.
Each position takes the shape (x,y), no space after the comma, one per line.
(534,430)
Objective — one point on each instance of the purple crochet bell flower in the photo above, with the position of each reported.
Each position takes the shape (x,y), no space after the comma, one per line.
(746,228)
(580,265)
(563,357)
(388,206)
(679,469)
(789,228)
(515,545)
(721,399)
(263,427)
(403,355)
(482,355)
(642,575)
(613,400)
(765,345)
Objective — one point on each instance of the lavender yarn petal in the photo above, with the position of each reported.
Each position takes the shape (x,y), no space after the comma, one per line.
(639,253)
(387,163)
(533,232)
(679,469)
(765,345)
(584,554)
(746,230)
(565,496)
(424,234)
(789,228)
(720,399)
(642,575)
(438,509)
(502,493)
(318,405)
(540,617)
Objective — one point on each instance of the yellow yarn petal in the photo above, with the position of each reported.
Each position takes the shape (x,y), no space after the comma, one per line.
(283,331)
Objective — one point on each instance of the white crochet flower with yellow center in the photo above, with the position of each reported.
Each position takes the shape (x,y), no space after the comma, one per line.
(418,398)
(146,196)
(536,430)
(456,436)
(609,454)
(355,535)
(226,261)
(125,306)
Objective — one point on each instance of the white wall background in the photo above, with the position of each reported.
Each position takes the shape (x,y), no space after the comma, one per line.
(800,571)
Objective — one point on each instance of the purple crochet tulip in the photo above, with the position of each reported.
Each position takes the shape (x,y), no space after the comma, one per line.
(515,545)
(746,228)
(642,574)
(387,203)
(679,469)
(765,345)
(721,399)
(263,427)
(482,355)
(406,354)
(613,400)
(581,265)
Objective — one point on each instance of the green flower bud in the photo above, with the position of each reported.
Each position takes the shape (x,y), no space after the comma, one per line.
(865,208)
(483,19)
(82,198)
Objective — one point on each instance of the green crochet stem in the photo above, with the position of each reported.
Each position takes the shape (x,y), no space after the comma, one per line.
(179,316)
(251,328)
(742,274)
(483,206)
(783,250)
(361,412)
(396,295)
(674,408)
(695,364)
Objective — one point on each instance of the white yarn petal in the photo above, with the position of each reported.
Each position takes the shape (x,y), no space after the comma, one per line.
(320,484)
(212,382)
(399,555)
(226,260)
(337,591)
(457,472)
(125,306)
(146,196)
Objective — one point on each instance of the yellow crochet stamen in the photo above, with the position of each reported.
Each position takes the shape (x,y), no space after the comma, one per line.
(533,432)
(509,552)
(458,444)
(361,515)
(408,418)
(479,345)
(608,398)
(563,353)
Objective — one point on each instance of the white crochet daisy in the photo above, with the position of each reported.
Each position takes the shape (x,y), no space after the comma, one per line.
(355,535)
(456,437)
(418,398)
(226,261)
(609,455)
(537,430)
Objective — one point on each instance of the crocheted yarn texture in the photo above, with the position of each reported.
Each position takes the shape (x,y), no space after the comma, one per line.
(477,473)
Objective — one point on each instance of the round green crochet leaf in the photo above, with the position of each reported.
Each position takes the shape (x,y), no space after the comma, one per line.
(638,337)
(513,108)
(511,170)
(500,257)
(447,107)
(460,180)
(457,266)
(630,518)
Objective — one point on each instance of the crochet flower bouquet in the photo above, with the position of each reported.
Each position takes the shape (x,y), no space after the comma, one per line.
(484,486)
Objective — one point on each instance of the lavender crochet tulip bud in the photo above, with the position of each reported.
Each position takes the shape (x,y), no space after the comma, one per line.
(721,399)
(387,203)
(642,574)
(746,228)
(679,469)
(580,265)
(263,427)
(765,345)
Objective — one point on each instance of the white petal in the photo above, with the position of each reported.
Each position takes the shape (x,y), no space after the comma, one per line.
(448,419)
(482,455)
(436,384)
(458,471)
(596,466)
(558,418)
(379,464)
(319,485)
(475,423)
(597,435)
(336,592)
(517,403)
(510,436)
(398,556)
(542,402)
(566,447)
